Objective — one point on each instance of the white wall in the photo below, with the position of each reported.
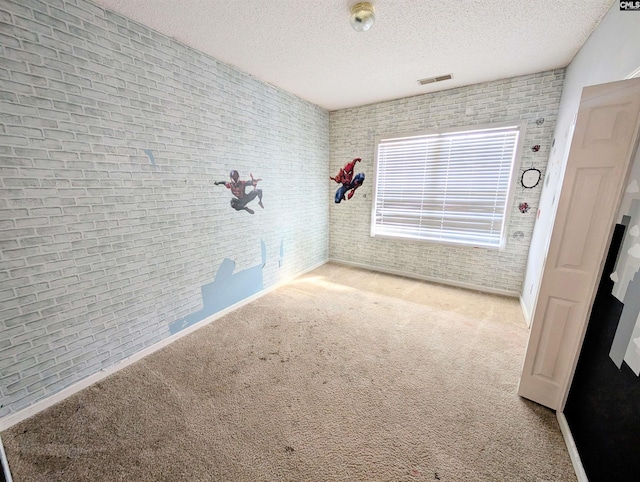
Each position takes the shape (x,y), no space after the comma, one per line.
(111,137)
(611,53)
(353,132)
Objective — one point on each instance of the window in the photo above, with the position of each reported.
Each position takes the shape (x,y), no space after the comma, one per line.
(451,187)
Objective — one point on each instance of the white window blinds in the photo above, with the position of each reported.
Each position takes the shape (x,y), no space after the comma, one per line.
(450,187)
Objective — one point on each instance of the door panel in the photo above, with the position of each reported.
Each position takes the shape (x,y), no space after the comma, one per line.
(551,337)
(586,195)
(604,140)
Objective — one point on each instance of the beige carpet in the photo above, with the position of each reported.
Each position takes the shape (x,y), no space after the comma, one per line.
(342,375)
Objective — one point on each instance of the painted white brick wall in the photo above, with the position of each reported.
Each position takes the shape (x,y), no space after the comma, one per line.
(353,133)
(100,250)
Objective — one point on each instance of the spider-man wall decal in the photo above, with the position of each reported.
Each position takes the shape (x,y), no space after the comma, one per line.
(238,189)
(349,182)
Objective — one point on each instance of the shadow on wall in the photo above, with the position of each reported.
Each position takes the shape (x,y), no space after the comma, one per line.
(226,289)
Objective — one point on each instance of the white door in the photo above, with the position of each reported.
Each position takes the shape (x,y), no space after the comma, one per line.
(604,141)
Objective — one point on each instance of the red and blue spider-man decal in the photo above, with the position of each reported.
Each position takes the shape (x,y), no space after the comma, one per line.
(349,182)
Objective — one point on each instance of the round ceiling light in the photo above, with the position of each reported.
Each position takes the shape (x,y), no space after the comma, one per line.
(362,16)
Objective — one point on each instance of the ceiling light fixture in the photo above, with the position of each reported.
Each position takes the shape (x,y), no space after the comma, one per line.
(362,16)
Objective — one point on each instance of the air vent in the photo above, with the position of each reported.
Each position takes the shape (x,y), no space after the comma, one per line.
(431,80)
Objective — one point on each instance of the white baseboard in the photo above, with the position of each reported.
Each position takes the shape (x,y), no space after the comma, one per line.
(457,284)
(571,447)
(525,312)
(634,74)
(14,418)
(4,464)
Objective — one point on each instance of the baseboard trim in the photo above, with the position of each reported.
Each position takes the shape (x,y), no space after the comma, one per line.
(4,464)
(571,447)
(457,284)
(525,312)
(14,418)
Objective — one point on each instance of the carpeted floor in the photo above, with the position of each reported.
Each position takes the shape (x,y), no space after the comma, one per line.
(342,375)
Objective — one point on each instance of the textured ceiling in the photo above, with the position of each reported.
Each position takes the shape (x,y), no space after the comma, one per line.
(308,47)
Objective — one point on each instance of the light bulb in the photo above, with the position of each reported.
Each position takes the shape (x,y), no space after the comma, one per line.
(362,16)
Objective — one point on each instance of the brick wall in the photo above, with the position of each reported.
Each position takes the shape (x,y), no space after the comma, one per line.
(353,133)
(111,136)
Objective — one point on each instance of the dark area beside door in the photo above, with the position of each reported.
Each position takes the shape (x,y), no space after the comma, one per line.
(603,407)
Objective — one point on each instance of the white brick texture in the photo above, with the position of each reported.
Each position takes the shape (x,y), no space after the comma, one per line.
(353,133)
(100,248)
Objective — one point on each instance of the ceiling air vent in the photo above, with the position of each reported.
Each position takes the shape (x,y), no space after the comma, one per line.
(431,80)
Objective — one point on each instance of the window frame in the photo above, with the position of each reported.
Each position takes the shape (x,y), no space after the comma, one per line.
(510,194)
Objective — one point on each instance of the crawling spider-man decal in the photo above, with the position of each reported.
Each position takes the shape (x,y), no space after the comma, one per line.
(348,180)
(238,189)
